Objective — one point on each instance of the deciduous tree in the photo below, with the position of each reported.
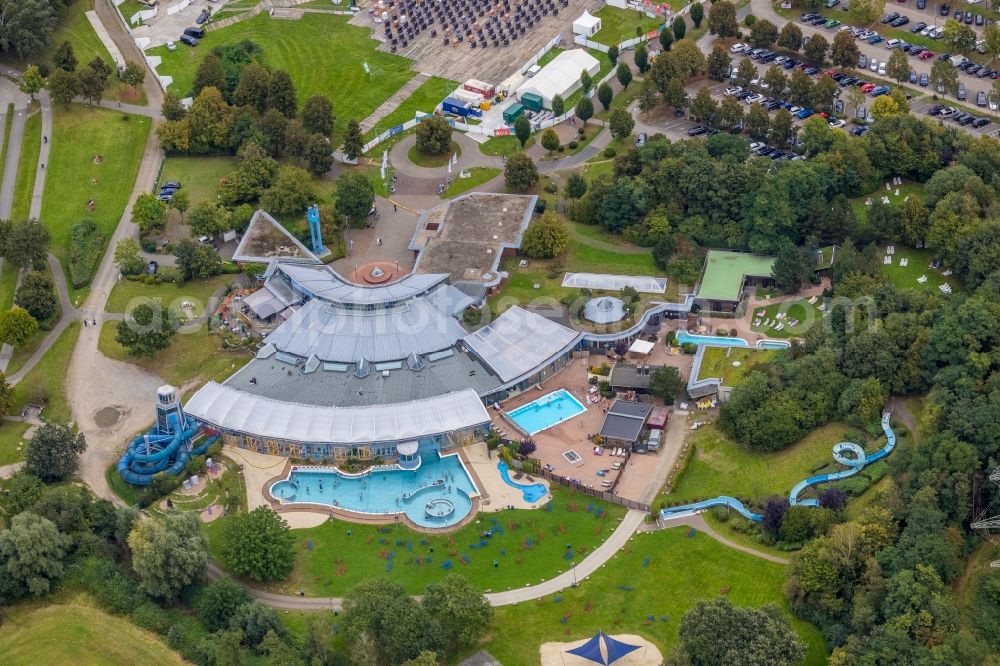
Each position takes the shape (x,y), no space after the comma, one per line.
(63,86)
(64,57)
(355,196)
(641,58)
(898,66)
(281,94)
(291,194)
(210,74)
(620,123)
(168,553)
(520,172)
(353,141)
(666,383)
(722,19)
(522,129)
(148,212)
(718,63)
(703,107)
(697,14)
(26,243)
(845,51)
(763,33)
(31,81)
(53,453)
(31,555)
(127,257)
(790,37)
(460,609)
(546,238)
(584,109)
(605,95)
(258,545)
(37,295)
(550,140)
(624,75)
(758,122)
(17,326)
(434,136)
(815,49)
(253,88)
(148,330)
(679,27)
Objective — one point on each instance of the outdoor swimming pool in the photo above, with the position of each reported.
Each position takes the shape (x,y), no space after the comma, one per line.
(437,494)
(532,492)
(549,410)
(718,341)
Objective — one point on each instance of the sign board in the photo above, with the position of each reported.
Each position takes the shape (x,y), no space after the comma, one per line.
(501,131)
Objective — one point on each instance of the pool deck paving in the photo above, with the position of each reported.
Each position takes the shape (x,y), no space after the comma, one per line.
(483,467)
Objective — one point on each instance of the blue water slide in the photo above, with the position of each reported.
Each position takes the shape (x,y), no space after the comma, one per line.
(855,462)
(153,453)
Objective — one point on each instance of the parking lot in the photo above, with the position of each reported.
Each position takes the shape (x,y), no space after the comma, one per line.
(166,27)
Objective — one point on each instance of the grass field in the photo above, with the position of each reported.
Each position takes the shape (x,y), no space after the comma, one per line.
(905,277)
(8,123)
(11,437)
(723,467)
(477,176)
(718,362)
(425,98)
(169,294)
(645,589)
(618,25)
(8,284)
(197,356)
(321,52)
(343,554)
(47,380)
(504,145)
(80,634)
(198,175)
(24,184)
(76,174)
(807,315)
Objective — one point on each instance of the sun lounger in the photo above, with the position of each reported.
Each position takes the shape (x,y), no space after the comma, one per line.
(794,322)
(904,262)
(922,279)
(812,301)
(946,273)
(779,327)
(756,322)
(760,313)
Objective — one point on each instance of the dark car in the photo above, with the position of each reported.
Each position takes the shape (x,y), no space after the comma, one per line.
(945,8)
(924,80)
(900,22)
(171,184)
(980,123)
(197,33)
(981,99)
(979,19)
(697,130)
(958,15)
(967,120)
(188,40)
(204,16)
(934,110)
(152,268)
(968,17)
(889,18)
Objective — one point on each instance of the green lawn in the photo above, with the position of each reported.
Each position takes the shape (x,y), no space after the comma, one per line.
(619,101)
(504,145)
(599,167)
(645,589)
(723,467)
(8,123)
(550,56)
(425,98)
(196,356)
(169,294)
(807,315)
(907,189)
(11,438)
(198,175)
(477,176)
(95,155)
(27,165)
(47,380)
(586,258)
(605,68)
(80,634)
(432,161)
(618,25)
(321,52)
(343,554)
(74,27)
(719,362)
(8,282)
(905,277)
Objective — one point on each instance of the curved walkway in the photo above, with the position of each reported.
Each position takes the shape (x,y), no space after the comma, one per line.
(470,157)
(699,523)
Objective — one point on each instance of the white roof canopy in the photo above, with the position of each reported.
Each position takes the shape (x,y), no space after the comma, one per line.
(230,409)
(519,341)
(642,283)
(586,23)
(561,76)
(641,347)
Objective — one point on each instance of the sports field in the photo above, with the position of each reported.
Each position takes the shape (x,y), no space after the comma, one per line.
(321,52)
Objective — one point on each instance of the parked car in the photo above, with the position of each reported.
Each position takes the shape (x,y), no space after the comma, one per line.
(945,9)
(189,40)
(889,18)
(862,61)
(881,69)
(979,19)
(697,130)
(968,18)
(980,123)
(900,22)
(876,39)
(927,55)
(152,268)
(640,140)
(830,4)
(170,45)
(924,80)
(732,90)
(836,123)
(961,92)
(981,99)
(197,33)
(203,16)
(880,90)
(737,48)
(918,27)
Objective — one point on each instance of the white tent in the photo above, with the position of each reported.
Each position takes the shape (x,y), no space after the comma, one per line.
(561,76)
(641,347)
(587,25)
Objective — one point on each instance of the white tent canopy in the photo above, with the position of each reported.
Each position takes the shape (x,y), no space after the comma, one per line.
(644,284)
(587,25)
(641,347)
(561,76)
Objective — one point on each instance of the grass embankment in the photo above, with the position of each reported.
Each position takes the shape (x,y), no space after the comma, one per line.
(425,98)
(78,633)
(313,50)
(27,165)
(46,382)
(11,438)
(95,156)
(731,364)
(645,589)
(720,466)
(529,546)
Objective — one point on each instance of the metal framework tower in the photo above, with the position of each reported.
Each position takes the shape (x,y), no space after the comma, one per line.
(167,405)
(985,523)
(315,234)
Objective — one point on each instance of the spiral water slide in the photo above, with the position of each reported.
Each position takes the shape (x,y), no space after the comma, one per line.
(849,454)
(148,455)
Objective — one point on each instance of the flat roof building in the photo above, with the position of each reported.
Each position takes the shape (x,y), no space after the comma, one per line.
(727,274)
(624,422)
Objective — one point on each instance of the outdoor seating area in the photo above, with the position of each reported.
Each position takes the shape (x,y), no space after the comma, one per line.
(479,23)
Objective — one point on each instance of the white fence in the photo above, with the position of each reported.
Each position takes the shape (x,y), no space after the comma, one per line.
(179,7)
(533,60)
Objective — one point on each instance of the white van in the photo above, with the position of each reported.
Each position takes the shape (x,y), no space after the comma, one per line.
(892,43)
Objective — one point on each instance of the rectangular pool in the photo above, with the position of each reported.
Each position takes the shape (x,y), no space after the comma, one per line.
(549,410)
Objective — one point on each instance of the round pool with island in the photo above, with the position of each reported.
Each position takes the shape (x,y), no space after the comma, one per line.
(437,494)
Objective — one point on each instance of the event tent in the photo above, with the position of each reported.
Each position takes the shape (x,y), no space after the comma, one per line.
(560,77)
(587,25)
